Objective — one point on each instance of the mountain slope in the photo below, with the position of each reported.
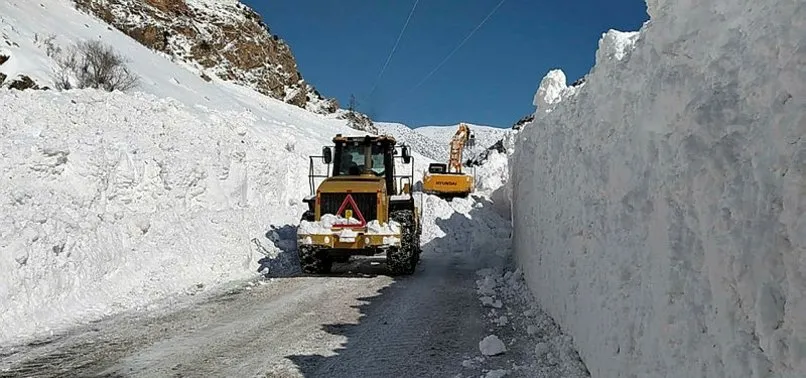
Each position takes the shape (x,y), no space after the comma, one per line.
(434,141)
(425,145)
(223,38)
(486,136)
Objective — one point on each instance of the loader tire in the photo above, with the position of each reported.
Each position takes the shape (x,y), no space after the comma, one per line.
(403,260)
(314,260)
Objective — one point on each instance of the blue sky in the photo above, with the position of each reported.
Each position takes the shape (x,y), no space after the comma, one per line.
(341,45)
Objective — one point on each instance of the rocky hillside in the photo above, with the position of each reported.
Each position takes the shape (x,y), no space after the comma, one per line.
(523,121)
(216,37)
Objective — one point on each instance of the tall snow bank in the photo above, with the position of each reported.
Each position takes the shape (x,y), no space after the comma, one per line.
(111,201)
(661,210)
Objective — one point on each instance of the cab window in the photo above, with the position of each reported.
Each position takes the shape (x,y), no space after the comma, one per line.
(352,160)
(377,160)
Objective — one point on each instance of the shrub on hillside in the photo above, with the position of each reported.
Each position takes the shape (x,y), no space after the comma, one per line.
(92,64)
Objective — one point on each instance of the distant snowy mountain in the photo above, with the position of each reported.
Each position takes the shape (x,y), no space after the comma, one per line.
(486,136)
(423,144)
(434,141)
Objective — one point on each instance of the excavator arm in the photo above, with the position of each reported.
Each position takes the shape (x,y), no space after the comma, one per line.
(462,137)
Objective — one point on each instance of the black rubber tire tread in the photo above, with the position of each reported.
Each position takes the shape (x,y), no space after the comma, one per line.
(314,260)
(403,260)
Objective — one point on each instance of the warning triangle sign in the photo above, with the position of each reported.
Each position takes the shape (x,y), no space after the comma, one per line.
(353,211)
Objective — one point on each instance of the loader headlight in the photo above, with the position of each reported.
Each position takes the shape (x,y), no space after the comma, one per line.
(327,239)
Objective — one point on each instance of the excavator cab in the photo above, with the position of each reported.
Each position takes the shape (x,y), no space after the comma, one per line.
(448,180)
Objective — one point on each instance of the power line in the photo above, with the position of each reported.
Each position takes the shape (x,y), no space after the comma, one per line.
(445,60)
(389,58)
(458,47)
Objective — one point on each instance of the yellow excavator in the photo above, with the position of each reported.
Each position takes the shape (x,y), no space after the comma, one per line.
(448,180)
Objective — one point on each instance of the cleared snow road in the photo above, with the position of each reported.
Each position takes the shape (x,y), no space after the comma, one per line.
(349,324)
(357,322)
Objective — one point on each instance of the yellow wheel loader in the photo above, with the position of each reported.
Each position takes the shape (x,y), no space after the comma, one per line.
(448,180)
(361,207)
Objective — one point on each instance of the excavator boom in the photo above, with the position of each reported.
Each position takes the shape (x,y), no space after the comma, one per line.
(457,147)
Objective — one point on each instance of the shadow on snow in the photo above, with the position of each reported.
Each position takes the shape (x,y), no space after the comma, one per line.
(421,325)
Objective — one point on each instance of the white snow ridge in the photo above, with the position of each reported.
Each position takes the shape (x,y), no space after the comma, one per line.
(661,210)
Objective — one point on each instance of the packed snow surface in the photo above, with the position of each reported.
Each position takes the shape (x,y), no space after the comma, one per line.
(661,209)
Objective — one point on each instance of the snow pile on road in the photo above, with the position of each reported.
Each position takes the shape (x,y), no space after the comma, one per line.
(493,174)
(464,226)
(661,210)
(492,177)
(523,339)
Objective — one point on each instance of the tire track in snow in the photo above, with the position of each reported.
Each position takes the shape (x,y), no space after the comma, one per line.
(421,326)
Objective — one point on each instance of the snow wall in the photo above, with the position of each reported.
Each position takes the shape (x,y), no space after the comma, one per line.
(112,201)
(660,208)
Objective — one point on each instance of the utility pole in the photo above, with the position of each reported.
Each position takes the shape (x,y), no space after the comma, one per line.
(353,104)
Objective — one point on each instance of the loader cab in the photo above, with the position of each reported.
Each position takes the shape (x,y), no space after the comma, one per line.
(369,157)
